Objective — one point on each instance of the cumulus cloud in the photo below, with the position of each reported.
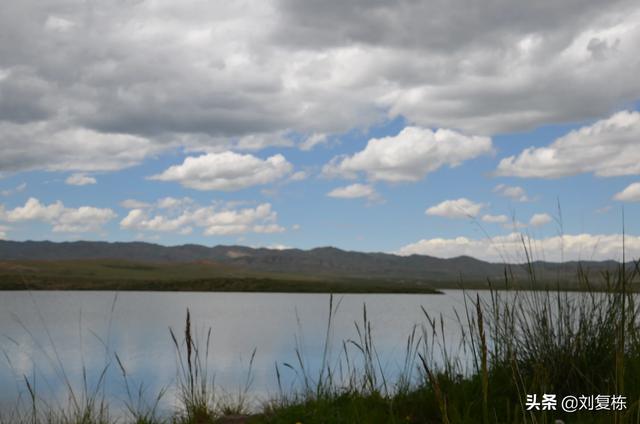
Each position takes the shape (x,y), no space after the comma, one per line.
(629,194)
(200,74)
(63,219)
(514,225)
(409,155)
(227,171)
(456,209)
(80,180)
(516,193)
(172,202)
(299,176)
(607,148)
(510,249)
(540,219)
(354,191)
(44,146)
(212,220)
(134,204)
(495,219)
(3,232)
(312,141)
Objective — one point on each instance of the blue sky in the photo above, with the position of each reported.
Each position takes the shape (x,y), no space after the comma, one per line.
(211,124)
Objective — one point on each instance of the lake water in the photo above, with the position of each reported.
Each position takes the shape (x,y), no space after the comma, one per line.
(43,333)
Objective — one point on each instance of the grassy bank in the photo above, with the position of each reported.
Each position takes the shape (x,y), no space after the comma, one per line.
(123,275)
(541,342)
(143,276)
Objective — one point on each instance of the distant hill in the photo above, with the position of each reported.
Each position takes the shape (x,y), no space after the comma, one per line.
(319,262)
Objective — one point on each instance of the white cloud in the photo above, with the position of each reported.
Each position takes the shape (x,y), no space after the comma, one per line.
(261,141)
(495,219)
(83,219)
(80,180)
(510,249)
(459,208)
(354,191)
(44,146)
(246,75)
(3,232)
(603,209)
(18,189)
(63,219)
(212,220)
(629,194)
(134,204)
(514,225)
(607,148)
(172,202)
(277,247)
(540,219)
(312,141)
(516,193)
(268,229)
(409,155)
(226,171)
(298,176)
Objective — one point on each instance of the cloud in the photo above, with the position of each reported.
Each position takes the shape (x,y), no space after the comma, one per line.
(226,171)
(499,69)
(607,148)
(603,209)
(298,176)
(629,194)
(80,180)
(409,155)
(516,193)
(18,189)
(312,141)
(134,204)
(172,202)
(64,220)
(354,191)
(540,219)
(209,74)
(510,249)
(277,247)
(212,220)
(495,219)
(456,209)
(3,232)
(43,146)
(514,225)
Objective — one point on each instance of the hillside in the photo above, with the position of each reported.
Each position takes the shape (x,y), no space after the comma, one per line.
(325,263)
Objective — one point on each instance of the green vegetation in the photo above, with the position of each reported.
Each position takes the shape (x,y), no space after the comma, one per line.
(532,342)
(114,274)
(201,276)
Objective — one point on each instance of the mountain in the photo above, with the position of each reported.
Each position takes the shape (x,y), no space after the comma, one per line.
(323,261)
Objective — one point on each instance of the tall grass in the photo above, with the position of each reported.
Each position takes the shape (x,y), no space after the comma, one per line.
(512,343)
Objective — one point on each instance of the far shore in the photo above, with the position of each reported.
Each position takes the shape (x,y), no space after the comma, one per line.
(119,275)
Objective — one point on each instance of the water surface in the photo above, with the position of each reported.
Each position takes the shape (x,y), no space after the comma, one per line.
(50,336)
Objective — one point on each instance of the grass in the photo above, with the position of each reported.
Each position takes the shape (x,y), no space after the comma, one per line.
(126,275)
(514,344)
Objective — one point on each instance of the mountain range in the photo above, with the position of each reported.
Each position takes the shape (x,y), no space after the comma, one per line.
(318,262)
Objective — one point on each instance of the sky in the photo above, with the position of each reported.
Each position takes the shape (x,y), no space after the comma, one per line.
(433,127)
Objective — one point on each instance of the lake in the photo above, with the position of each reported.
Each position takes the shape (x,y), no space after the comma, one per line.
(50,336)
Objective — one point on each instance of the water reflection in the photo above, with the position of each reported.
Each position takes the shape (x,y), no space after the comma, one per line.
(49,337)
